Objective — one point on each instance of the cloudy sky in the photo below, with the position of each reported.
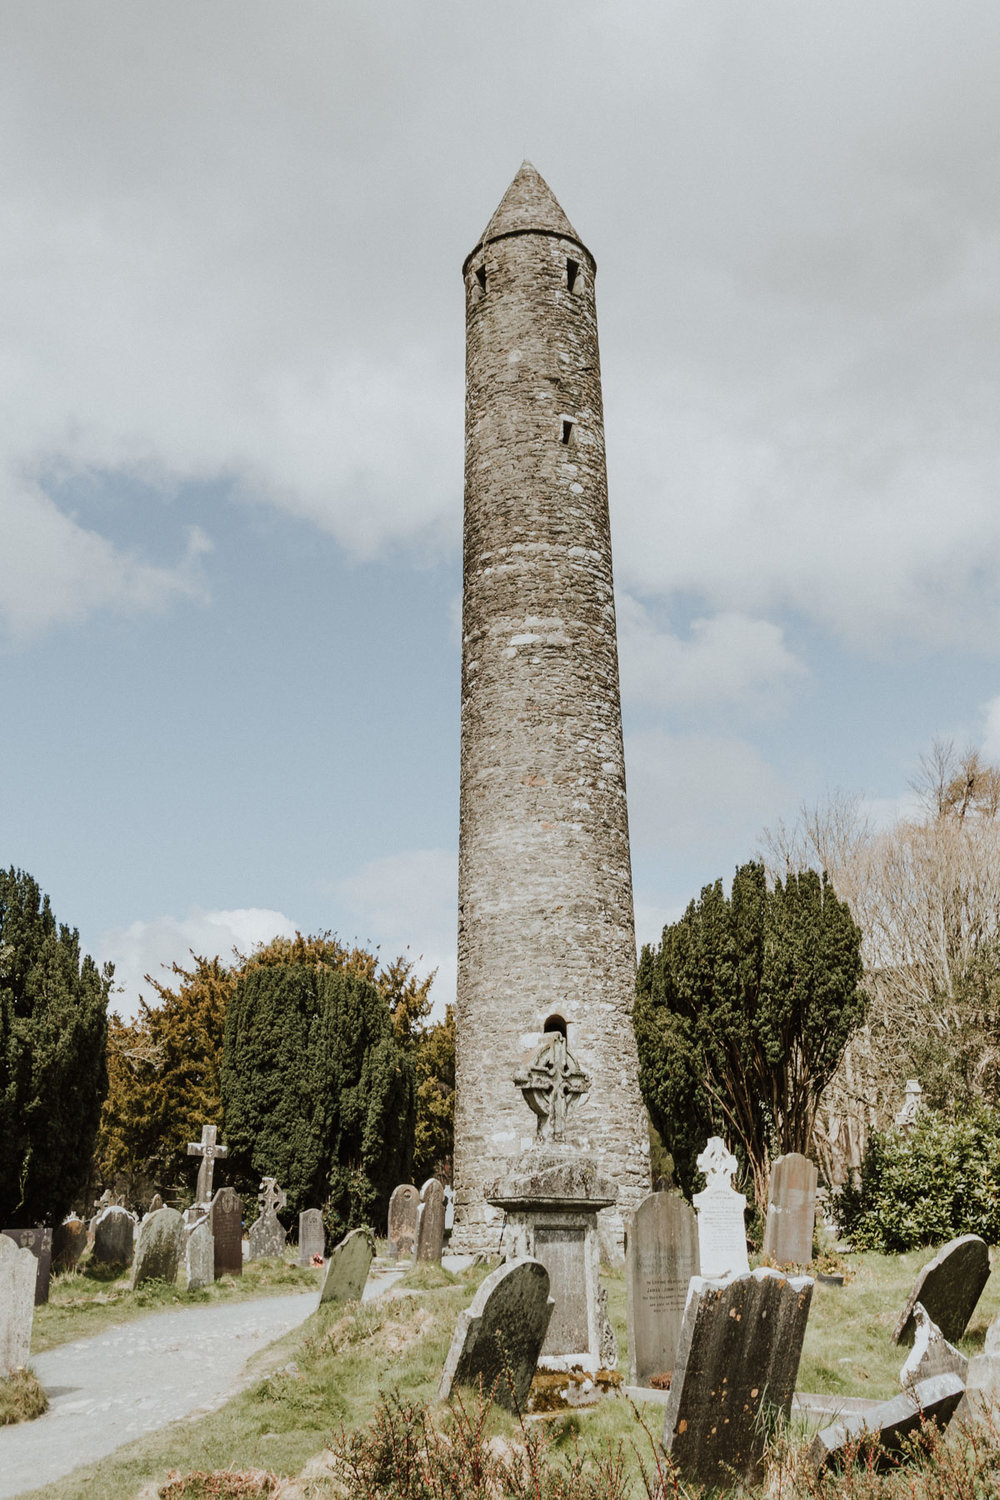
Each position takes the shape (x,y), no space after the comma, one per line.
(231,372)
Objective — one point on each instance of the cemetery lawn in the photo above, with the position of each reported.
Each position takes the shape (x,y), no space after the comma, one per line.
(80,1305)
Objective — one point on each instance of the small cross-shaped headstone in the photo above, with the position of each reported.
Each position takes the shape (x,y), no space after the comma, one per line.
(208,1150)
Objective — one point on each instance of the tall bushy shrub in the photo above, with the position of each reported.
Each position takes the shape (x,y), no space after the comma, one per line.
(939,1179)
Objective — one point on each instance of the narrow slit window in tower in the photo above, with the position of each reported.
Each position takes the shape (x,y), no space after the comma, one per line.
(481,276)
(572,273)
(567,430)
(555,1023)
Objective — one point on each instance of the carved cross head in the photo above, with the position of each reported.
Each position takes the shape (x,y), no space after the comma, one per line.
(718,1164)
(552,1084)
(271,1197)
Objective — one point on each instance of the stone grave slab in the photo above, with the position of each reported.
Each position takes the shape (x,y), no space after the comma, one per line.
(791,1210)
(225,1220)
(69,1240)
(347,1269)
(934,1400)
(661,1256)
(498,1339)
(722,1240)
(39,1242)
(114,1236)
(199,1257)
(312,1239)
(931,1354)
(429,1240)
(268,1236)
(402,1226)
(18,1275)
(158,1248)
(949,1286)
(737,1359)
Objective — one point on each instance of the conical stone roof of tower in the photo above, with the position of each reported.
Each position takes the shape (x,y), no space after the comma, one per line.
(529,204)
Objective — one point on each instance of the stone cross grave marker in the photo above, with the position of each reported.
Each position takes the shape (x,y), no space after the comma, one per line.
(430,1221)
(158,1248)
(225,1220)
(347,1269)
(208,1149)
(268,1234)
(18,1274)
(722,1240)
(949,1286)
(933,1400)
(402,1226)
(69,1240)
(498,1339)
(912,1096)
(552,1084)
(199,1257)
(39,1242)
(791,1210)
(312,1240)
(737,1359)
(661,1256)
(114,1236)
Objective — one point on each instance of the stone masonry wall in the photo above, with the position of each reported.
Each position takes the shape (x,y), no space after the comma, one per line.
(546,925)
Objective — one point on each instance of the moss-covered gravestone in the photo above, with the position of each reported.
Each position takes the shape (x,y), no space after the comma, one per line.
(498,1339)
(347,1269)
(158,1249)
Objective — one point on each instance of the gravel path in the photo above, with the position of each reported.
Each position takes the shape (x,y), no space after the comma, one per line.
(118,1385)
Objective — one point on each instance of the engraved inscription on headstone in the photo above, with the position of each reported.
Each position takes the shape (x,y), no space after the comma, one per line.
(312,1241)
(562,1251)
(661,1256)
(722,1243)
(225,1220)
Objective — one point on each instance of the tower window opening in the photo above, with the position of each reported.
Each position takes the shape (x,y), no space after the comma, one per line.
(481,276)
(572,272)
(555,1023)
(567,430)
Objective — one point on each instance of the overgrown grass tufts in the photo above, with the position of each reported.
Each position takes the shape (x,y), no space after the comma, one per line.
(221,1484)
(21,1398)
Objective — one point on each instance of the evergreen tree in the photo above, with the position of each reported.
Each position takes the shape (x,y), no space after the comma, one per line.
(53,1027)
(742,1014)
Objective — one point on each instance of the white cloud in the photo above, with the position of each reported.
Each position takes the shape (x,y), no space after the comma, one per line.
(408,903)
(145,947)
(727,658)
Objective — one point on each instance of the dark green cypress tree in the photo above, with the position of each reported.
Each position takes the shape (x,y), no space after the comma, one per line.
(53,1078)
(742,1014)
(317,1090)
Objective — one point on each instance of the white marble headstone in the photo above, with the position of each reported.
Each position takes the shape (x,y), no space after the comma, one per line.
(722,1241)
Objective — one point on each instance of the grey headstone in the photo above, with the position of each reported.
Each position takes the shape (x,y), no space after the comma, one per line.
(267,1236)
(114,1236)
(39,1242)
(661,1256)
(562,1249)
(931,1354)
(498,1339)
(737,1359)
(430,1221)
(949,1286)
(403,1207)
(934,1399)
(69,1240)
(312,1240)
(225,1220)
(199,1257)
(158,1248)
(18,1274)
(791,1210)
(347,1269)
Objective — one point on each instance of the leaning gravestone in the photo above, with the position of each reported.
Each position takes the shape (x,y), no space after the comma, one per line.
(225,1220)
(158,1248)
(18,1274)
(347,1269)
(199,1257)
(722,1240)
(39,1242)
(430,1221)
(661,1256)
(312,1240)
(931,1354)
(498,1339)
(949,1286)
(737,1359)
(791,1210)
(114,1236)
(403,1207)
(888,1425)
(69,1240)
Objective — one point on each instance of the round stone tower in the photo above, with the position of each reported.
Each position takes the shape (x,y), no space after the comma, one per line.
(546,938)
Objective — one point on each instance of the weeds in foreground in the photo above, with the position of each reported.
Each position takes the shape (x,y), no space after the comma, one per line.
(222,1484)
(21,1398)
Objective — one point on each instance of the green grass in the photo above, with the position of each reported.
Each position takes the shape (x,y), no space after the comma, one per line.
(22,1398)
(80,1304)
